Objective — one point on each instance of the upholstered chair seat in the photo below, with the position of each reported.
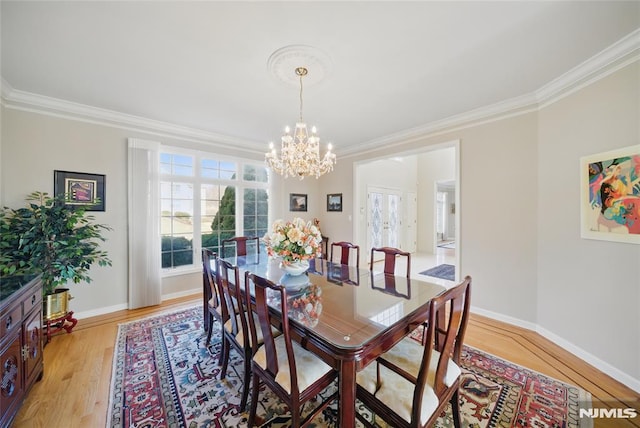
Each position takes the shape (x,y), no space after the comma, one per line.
(411,384)
(309,367)
(395,391)
(408,354)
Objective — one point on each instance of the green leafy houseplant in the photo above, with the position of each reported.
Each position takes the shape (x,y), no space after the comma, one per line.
(59,241)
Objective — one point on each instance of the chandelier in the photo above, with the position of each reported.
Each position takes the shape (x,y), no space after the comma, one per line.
(300,152)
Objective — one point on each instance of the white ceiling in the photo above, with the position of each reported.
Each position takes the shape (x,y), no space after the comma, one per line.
(395,65)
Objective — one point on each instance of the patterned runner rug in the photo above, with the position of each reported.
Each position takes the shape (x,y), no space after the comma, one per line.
(164,376)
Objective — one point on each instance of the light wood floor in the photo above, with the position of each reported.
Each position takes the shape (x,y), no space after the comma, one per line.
(74,391)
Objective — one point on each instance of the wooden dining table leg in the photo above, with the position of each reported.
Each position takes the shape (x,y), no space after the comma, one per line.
(347,385)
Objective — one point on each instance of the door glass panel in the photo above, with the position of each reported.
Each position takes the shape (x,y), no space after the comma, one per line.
(392,228)
(376,219)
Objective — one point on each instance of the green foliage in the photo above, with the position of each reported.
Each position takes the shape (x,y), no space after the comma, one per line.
(225,219)
(176,251)
(51,238)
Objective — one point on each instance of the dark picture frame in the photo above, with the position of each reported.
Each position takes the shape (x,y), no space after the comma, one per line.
(334,202)
(297,202)
(82,189)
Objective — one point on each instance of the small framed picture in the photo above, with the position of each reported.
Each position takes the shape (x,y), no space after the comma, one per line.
(297,202)
(334,202)
(82,189)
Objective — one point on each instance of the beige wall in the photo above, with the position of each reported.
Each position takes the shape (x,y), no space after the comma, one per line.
(589,291)
(34,145)
(519,231)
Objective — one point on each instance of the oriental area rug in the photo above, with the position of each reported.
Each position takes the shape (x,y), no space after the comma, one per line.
(164,376)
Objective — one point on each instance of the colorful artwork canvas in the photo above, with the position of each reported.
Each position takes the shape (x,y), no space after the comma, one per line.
(610,187)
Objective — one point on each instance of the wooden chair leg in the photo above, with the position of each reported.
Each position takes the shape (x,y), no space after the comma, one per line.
(210,329)
(455,409)
(254,401)
(246,383)
(295,415)
(224,357)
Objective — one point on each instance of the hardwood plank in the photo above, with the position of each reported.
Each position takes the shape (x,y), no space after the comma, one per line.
(74,391)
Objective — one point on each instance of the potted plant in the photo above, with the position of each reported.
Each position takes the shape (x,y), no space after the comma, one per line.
(58,241)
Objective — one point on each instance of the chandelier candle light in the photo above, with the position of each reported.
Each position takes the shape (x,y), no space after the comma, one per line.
(300,153)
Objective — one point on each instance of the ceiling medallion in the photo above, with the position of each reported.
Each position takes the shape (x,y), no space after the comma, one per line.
(288,58)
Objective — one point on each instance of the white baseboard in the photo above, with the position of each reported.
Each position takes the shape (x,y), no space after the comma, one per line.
(99,311)
(601,365)
(114,308)
(191,292)
(589,358)
(504,318)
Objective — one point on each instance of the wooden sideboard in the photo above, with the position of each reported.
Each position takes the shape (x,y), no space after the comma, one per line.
(21,345)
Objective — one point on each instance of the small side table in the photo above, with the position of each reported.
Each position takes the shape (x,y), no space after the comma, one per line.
(66,322)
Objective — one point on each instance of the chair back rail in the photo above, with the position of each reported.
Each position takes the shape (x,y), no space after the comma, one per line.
(241,244)
(233,306)
(262,288)
(390,255)
(345,251)
(208,277)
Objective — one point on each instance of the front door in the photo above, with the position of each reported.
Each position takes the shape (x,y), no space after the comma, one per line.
(384,222)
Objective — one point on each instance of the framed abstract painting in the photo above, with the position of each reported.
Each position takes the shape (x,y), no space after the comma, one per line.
(82,189)
(610,195)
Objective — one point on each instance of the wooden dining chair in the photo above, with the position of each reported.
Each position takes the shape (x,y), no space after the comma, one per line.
(346,248)
(294,374)
(390,255)
(411,384)
(235,331)
(241,244)
(211,297)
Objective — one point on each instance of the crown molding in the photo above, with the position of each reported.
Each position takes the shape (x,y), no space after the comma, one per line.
(26,101)
(487,114)
(613,58)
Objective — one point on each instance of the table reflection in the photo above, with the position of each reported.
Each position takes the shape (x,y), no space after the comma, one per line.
(390,284)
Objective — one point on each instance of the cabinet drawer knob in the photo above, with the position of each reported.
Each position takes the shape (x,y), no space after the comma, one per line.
(9,322)
(33,299)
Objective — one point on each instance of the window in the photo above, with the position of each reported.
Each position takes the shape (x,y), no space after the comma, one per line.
(202,197)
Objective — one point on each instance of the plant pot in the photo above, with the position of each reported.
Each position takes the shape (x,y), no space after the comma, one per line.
(56,304)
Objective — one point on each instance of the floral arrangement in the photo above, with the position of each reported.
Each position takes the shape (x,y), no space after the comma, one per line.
(293,241)
(307,307)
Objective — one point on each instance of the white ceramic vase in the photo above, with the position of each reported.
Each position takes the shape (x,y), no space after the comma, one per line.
(295,268)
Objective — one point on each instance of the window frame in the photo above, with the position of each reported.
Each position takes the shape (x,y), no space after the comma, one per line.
(197,180)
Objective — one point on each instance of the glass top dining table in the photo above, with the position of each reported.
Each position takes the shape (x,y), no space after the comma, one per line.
(347,316)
